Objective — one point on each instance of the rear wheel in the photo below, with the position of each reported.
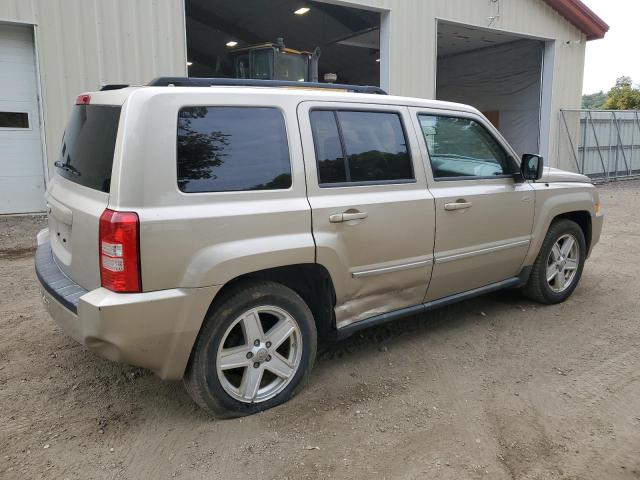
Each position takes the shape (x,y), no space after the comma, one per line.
(255,351)
(558,268)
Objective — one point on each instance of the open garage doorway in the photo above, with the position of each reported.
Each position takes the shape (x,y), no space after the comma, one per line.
(220,34)
(498,73)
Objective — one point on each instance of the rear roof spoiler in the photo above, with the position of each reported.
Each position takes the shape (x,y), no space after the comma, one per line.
(245,82)
(113,86)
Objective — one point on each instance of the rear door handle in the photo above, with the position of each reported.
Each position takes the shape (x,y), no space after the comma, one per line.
(346,216)
(460,205)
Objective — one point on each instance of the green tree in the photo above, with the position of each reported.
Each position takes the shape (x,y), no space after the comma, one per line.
(623,96)
(594,101)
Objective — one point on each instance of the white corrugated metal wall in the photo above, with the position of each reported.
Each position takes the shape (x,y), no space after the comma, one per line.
(82,44)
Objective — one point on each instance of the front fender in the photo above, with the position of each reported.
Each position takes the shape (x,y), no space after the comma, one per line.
(554,199)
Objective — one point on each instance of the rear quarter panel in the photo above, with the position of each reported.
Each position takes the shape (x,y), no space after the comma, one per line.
(204,239)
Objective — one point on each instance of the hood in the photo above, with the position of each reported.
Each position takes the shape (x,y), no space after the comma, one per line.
(552,175)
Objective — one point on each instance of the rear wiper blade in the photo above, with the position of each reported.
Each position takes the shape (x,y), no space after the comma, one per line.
(67,168)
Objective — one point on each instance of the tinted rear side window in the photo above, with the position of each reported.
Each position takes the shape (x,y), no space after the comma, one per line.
(222,149)
(373,144)
(88,145)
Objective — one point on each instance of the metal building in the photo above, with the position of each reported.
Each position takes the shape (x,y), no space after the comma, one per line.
(518,61)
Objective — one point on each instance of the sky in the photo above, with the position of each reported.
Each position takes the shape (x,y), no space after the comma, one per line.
(618,53)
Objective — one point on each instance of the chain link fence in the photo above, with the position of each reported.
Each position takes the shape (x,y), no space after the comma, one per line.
(603,144)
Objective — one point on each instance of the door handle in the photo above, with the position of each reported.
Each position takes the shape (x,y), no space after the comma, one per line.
(348,215)
(459,205)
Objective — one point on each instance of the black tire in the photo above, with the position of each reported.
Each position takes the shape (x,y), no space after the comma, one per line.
(537,287)
(201,378)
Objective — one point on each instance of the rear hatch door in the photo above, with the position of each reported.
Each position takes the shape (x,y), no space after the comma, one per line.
(79,191)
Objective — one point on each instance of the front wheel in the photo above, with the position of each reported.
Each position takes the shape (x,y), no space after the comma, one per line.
(558,268)
(255,351)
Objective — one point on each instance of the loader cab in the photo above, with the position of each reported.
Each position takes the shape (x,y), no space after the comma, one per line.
(273,61)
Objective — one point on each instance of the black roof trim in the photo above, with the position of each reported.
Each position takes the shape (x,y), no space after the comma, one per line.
(243,82)
(113,86)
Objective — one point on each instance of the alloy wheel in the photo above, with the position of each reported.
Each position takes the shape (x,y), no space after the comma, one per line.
(259,354)
(562,263)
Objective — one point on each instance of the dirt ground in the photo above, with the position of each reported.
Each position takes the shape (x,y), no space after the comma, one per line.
(496,388)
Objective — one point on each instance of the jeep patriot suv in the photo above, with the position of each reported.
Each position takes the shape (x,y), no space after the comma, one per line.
(214,232)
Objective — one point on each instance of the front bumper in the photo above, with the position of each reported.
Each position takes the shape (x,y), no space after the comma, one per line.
(596,230)
(154,330)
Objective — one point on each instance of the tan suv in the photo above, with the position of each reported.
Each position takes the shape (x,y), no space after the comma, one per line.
(213,232)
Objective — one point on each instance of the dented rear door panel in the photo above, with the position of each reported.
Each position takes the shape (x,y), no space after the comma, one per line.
(382,262)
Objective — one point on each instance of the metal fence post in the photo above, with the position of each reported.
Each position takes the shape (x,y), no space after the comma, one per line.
(638,125)
(584,141)
(573,150)
(610,148)
(633,136)
(619,144)
(595,136)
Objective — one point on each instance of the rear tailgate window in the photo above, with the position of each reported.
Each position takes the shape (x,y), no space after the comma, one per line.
(88,145)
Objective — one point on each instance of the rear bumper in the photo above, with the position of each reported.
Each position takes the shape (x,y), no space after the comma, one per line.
(154,330)
(54,282)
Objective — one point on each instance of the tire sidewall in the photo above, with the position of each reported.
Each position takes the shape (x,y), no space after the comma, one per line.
(556,231)
(216,326)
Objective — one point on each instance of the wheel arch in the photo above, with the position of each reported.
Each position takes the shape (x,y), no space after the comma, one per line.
(311,281)
(583,219)
(554,203)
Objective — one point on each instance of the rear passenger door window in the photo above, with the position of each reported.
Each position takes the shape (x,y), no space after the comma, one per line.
(222,149)
(360,147)
(332,167)
(461,147)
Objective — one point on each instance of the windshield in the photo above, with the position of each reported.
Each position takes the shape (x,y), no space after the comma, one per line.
(291,66)
(262,64)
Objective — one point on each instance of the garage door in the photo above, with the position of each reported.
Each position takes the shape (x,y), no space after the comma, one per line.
(21,165)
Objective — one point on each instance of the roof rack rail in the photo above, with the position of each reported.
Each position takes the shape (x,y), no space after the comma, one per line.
(245,82)
(113,86)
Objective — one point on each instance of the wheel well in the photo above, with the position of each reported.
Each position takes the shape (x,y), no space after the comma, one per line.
(309,280)
(583,219)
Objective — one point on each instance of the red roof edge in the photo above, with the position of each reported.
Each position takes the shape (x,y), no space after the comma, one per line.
(582,17)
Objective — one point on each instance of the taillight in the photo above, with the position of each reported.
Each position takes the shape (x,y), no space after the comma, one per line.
(120,251)
(83,99)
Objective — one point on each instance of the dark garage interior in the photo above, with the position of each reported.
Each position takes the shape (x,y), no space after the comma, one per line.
(349,38)
(498,73)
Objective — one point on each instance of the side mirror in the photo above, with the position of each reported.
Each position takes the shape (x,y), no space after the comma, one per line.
(532,166)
